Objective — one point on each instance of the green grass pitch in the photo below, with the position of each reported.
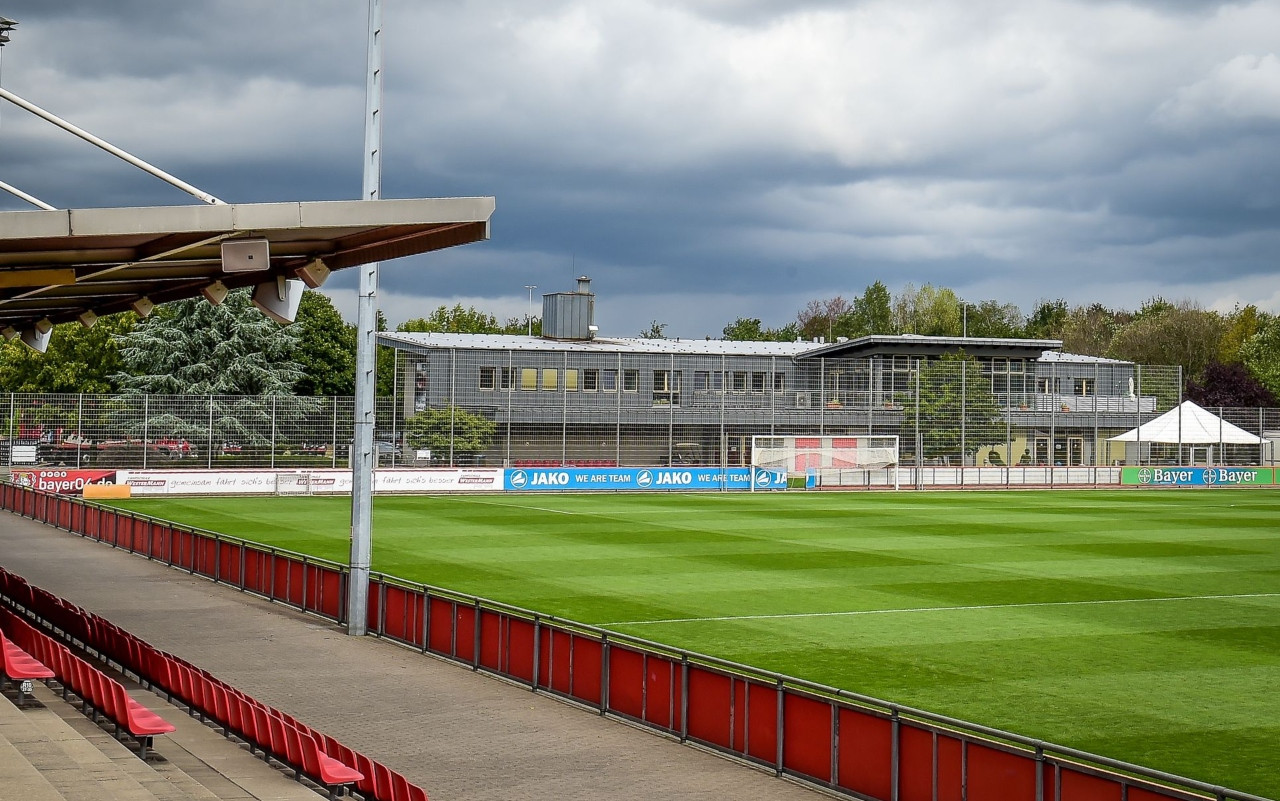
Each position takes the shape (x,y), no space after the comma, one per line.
(1141,625)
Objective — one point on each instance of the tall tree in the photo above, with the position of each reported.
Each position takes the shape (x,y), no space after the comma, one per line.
(819,317)
(1241,324)
(1090,330)
(1229,385)
(1261,354)
(991,318)
(190,347)
(1162,333)
(455,320)
(238,357)
(929,311)
(871,313)
(1047,319)
(957,410)
(326,348)
(78,359)
(744,329)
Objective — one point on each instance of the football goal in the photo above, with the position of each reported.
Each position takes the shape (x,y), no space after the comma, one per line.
(293,482)
(830,461)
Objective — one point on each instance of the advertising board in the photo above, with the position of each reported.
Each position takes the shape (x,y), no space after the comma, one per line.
(1197,476)
(62,480)
(580,479)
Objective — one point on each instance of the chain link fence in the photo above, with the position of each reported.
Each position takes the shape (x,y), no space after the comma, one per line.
(455,407)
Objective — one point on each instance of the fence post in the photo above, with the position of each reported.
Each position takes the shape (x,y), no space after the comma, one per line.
(779,729)
(537,651)
(604,672)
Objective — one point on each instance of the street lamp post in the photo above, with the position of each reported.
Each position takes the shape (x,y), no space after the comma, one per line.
(6,25)
(528,315)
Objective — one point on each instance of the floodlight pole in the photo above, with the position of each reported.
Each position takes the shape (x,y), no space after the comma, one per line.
(362,455)
(528,313)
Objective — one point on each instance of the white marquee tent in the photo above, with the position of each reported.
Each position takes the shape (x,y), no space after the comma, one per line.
(1189,424)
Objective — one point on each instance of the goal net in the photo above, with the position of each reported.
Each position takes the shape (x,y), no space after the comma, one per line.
(830,461)
(297,482)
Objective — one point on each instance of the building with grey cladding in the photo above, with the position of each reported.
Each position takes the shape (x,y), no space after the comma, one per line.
(572,397)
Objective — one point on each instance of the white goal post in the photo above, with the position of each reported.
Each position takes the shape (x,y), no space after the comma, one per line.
(841,460)
(293,482)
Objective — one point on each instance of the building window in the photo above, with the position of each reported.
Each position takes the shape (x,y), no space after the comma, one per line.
(666,387)
(779,382)
(590,380)
(738,381)
(701,382)
(1047,386)
(528,379)
(508,378)
(717,383)
(1084,386)
(488,378)
(757,383)
(571,380)
(550,378)
(609,380)
(630,380)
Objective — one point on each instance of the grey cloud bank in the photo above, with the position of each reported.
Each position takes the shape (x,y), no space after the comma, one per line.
(703,160)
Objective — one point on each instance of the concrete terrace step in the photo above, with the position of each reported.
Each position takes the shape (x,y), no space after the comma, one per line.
(54,759)
(53,752)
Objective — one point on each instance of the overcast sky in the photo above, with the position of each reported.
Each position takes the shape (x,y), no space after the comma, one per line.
(701,160)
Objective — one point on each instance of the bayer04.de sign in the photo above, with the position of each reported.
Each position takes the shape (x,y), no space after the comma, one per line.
(1197,476)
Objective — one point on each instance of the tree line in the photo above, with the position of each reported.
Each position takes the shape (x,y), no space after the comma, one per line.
(191,347)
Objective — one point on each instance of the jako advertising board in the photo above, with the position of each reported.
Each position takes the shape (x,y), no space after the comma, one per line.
(1197,476)
(644,478)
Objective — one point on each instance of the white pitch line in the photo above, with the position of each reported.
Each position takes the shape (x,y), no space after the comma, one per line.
(939,609)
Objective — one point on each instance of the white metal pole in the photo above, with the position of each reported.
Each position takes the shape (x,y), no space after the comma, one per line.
(32,199)
(110,148)
(362,456)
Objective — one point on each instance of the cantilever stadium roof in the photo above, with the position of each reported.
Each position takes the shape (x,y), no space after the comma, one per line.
(59,264)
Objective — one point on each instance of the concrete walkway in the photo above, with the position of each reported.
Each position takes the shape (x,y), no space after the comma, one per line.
(460,735)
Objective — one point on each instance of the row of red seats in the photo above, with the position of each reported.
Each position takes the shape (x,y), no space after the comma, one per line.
(98,691)
(305,750)
(20,666)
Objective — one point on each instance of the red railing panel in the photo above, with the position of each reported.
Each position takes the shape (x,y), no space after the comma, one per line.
(999,775)
(465,622)
(710,703)
(915,763)
(493,640)
(762,721)
(662,692)
(950,768)
(807,741)
(441,633)
(866,753)
(626,682)
(520,639)
(1077,786)
(586,672)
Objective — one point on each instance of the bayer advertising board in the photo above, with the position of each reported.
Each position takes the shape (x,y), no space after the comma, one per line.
(1197,476)
(580,479)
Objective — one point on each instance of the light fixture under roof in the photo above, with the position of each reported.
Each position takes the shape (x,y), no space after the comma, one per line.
(142,306)
(88,318)
(215,293)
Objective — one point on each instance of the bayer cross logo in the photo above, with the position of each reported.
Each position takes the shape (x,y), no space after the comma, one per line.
(1209,477)
(1144,475)
(519,479)
(644,478)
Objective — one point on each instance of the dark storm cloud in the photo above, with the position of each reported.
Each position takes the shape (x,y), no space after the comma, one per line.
(709,159)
